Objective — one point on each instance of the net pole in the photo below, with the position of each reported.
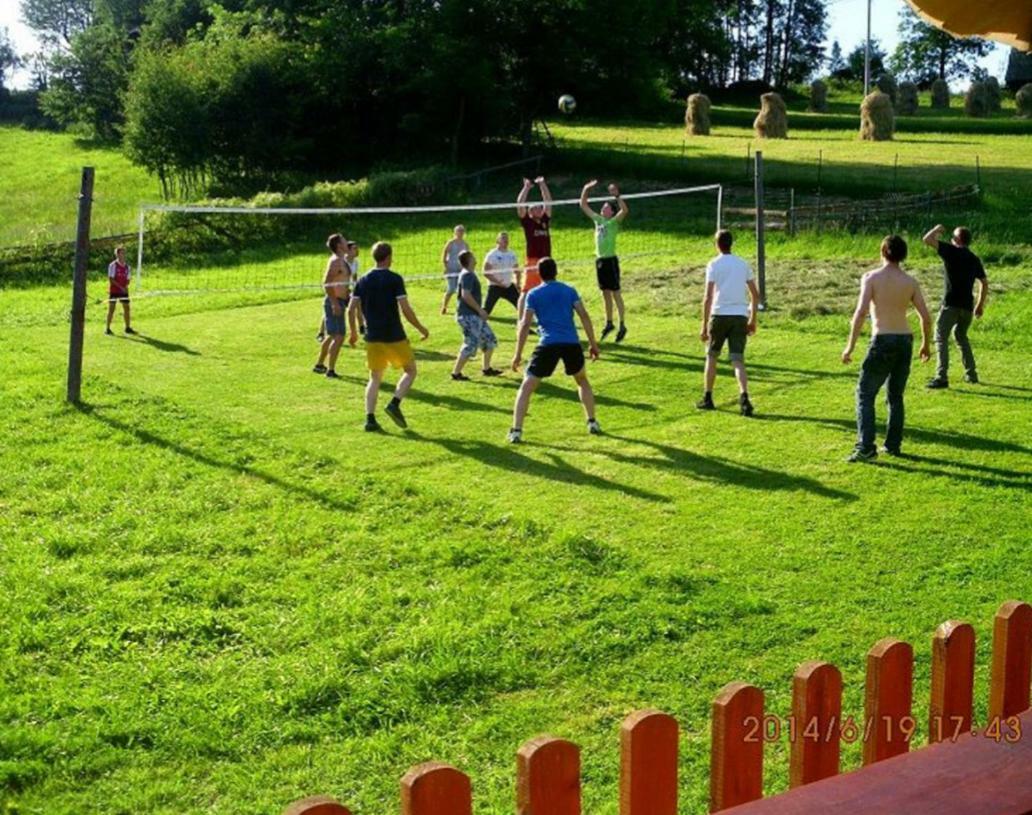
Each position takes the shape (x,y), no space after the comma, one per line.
(139,246)
(82,255)
(761,247)
(720,207)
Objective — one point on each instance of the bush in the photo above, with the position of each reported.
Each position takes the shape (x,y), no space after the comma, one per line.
(818,96)
(907,101)
(940,94)
(887,84)
(976,101)
(772,120)
(877,119)
(992,86)
(1023,100)
(697,115)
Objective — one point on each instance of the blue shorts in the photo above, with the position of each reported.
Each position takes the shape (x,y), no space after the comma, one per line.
(336,324)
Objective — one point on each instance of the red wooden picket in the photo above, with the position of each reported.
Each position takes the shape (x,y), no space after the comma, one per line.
(436,789)
(316,805)
(953,680)
(648,764)
(888,695)
(548,777)
(815,728)
(736,750)
(1012,661)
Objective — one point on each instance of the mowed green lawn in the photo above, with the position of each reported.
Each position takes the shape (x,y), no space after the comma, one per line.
(219,594)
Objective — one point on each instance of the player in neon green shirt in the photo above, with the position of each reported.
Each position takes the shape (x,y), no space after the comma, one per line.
(607,264)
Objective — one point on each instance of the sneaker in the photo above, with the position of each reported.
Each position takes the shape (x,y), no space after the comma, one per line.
(394,411)
(332,374)
(371,425)
(319,369)
(130,331)
(706,403)
(594,428)
(319,338)
(460,377)
(972,378)
(361,329)
(937,384)
(607,331)
(108,330)
(621,333)
(895,452)
(745,406)
(862,455)
(515,436)
(492,372)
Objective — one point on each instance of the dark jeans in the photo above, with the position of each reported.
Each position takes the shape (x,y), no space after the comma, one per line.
(888,358)
(496,293)
(955,321)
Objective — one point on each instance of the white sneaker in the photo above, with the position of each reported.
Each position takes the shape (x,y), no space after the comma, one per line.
(515,436)
(594,428)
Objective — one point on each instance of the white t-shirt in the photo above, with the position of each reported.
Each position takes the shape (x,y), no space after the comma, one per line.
(730,274)
(502,259)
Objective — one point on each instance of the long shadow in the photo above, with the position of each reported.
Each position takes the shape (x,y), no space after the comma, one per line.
(723,471)
(650,357)
(557,469)
(981,392)
(555,391)
(437,399)
(147,437)
(978,476)
(162,345)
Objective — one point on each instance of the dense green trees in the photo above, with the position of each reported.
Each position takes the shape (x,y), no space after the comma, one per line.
(926,53)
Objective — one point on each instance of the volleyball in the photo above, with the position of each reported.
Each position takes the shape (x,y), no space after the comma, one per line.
(567,104)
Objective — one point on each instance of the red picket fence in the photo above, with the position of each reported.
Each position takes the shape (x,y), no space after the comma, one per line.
(963,770)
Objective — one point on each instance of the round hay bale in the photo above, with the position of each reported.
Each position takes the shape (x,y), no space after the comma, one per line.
(976,101)
(877,119)
(887,84)
(772,120)
(818,96)
(907,100)
(1023,100)
(697,115)
(940,94)
(992,86)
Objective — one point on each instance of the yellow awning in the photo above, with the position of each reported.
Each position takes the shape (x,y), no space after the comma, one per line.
(1006,21)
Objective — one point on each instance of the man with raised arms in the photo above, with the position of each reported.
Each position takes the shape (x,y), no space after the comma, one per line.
(607,264)
(536,221)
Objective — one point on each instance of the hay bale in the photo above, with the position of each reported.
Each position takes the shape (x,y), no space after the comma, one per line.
(697,115)
(992,87)
(1023,101)
(772,120)
(907,101)
(976,101)
(940,94)
(887,84)
(818,96)
(877,119)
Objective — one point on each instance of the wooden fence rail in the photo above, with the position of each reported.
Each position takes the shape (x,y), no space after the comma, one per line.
(963,763)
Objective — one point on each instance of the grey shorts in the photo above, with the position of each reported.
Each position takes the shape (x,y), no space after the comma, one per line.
(451,281)
(732,329)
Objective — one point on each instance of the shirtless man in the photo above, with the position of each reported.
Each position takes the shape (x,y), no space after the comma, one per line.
(887,293)
(337,285)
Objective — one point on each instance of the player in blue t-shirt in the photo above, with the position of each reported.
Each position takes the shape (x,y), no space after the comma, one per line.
(553,304)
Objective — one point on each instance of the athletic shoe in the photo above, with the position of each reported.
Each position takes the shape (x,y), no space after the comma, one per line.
(460,377)
(607,331)
(972,378)
(492,372)
(862,455)
(394,411)
(706,403)
(895,452)
(621,333)
(372,426)
(332,374)
(319,338)
(515,436)
(594,428)
(361,329)
(319,369)
(108,331)
(937,384)
(129,331)
(745,406)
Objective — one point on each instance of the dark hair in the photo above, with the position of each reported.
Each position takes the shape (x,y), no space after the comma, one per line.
(894,249)
(963,235)
(119,248)
(465,259)
(352,243)
(614,205)
(333,241)
(382,251)
(547,269)
(724,240)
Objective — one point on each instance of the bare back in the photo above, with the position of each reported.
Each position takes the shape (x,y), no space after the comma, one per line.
(891,293)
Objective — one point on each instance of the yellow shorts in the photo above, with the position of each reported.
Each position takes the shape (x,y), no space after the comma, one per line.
(381,354)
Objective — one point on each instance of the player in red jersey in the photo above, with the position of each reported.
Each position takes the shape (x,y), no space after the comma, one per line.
(119,274)
(536,222)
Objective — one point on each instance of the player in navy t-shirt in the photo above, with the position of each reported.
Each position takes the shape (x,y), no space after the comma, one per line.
(553,304)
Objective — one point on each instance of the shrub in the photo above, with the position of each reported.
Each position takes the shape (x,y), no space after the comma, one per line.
(976,101)
(907,100)
(772,121)
(818,96)
(877,119)
(697,115)
(940,94)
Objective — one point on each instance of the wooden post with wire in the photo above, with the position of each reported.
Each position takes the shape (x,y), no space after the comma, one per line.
(82,256)
(761,249)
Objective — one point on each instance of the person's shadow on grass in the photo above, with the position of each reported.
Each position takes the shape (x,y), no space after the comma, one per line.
(162,345)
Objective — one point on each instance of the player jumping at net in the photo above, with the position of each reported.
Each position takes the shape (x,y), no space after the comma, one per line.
(536,221)
(961,268)
(553,304)
(119,274)
(455,246)
(381,296)
(337,288)
(499,267)
(728,315)
(607,264)
(472,319)
(887,293)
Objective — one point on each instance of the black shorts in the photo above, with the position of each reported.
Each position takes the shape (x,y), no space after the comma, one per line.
(607,270)
(546,357)
(728,327)
(120,296)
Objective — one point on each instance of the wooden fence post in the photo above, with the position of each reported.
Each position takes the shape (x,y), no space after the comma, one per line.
(761,245)
(648,764)
(1012,660)
(888,695)
(316,805)
(817,722)
(548,777)
(78,315)
(435,788)
(953,679)
(736,749)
